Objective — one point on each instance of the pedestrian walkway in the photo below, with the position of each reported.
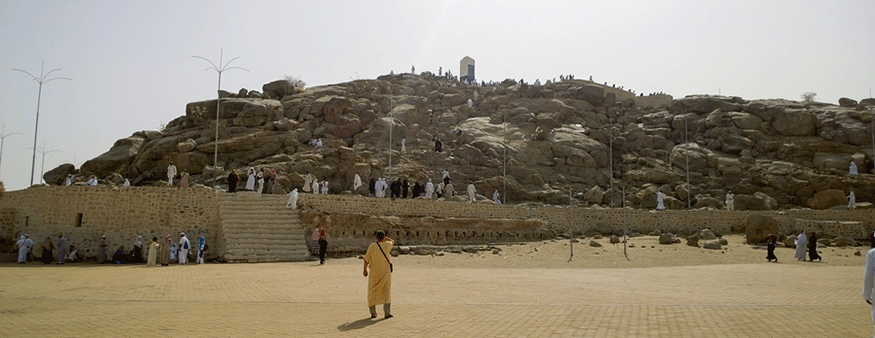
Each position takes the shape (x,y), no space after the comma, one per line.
(305,299)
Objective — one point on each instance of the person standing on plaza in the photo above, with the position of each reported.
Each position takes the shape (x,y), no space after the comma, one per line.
(314,242)
(372,187)
(323,245)
(250,179)
(201,247)
(165,251)
(801,242)
(812,247)
(315,186)
(380,274)
(472,192)
(153,252)
(171,173)
(63,244)
(869,280)
(232,181)
(496,197)
(102,255)
(46,248)
(137,252)
(324,187)
(771,243)
(69,180)
(24,245)
(184,246)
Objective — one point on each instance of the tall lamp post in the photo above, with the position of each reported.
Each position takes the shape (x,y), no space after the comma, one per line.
(2,138)
(219,69)
(43,78)
(42,150)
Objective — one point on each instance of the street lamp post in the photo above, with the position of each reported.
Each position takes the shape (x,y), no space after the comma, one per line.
(43,78)
(219,69)
(2,138)
(42,150)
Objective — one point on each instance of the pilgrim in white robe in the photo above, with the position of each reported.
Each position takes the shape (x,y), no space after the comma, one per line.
(404,145)
(315,186)
(250,179)
(852,201)
(92,182)
(496,197)
(730,201)
(869,280)
(449,190)
(324,187)
(260,177)
(801,246)
(429,189)
(853,169)
(127,183)
(69,180)
(660,201)
(24,245)
(171,173)
(293,199)
(308,182)
(472,193)
(356,183)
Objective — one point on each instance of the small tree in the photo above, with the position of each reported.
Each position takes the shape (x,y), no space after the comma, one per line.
(808,97)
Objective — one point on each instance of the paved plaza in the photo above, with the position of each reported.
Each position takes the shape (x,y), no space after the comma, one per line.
(308,300)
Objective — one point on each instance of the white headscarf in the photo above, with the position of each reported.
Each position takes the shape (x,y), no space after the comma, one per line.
(137,242)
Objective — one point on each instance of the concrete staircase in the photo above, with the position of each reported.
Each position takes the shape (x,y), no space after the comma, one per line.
(260,228)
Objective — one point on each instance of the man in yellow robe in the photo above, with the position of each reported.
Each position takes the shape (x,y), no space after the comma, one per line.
(380,276)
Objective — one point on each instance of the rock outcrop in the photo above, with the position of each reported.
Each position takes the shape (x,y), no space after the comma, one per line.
(551,139)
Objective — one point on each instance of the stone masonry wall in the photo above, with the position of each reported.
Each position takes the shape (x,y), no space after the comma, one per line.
(560,219)
(124,213)
(120,213)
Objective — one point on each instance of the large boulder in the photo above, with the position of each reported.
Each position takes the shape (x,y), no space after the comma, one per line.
(826,199)
(847,103)
(122,153)
(57,175)
(794,122)
(750,202)
(277,89)
(666,238)
(759,227)
(706,104)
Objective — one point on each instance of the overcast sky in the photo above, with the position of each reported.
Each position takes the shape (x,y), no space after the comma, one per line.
(132,69)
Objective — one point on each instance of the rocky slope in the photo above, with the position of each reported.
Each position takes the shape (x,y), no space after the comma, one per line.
(773,154)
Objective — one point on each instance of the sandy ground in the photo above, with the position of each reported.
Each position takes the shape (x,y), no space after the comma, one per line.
(527,290)
(642,252)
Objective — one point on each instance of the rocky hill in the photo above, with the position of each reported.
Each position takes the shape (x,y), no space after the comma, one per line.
(554,138)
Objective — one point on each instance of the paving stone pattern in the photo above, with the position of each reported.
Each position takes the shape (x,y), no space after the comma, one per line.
(305,299)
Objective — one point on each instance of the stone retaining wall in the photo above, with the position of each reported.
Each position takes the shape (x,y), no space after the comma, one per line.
(124,213)
(120,213)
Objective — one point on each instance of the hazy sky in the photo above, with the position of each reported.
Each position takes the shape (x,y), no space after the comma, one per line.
(132,69)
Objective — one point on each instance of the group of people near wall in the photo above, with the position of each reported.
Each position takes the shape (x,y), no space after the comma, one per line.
(59,252)
(62,251)
(804,245)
